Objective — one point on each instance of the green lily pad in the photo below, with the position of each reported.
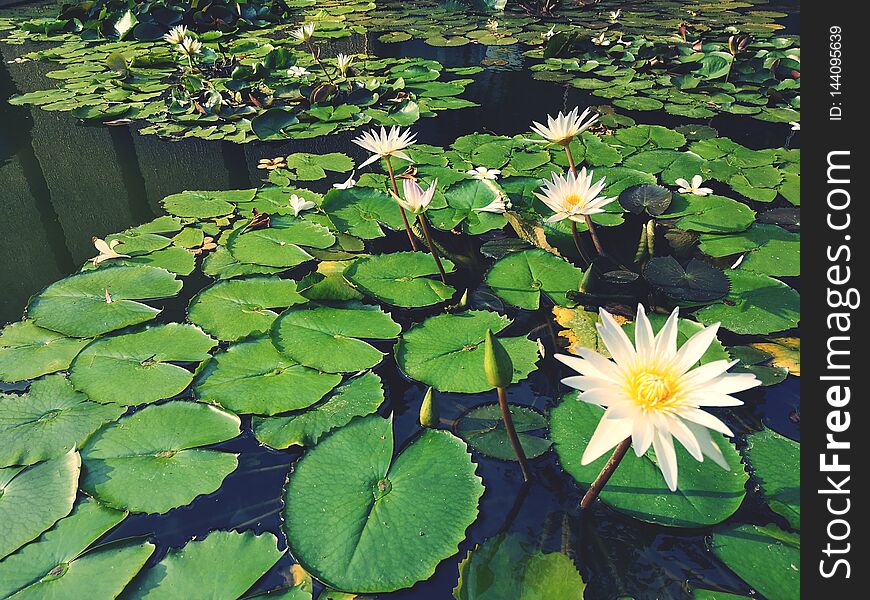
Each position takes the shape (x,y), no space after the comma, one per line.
(654,199)
(520,278)
(48,422)
(446,351)
(253,377)
(756,304)
(359,396)
(706,494)
(311,167)
(709,214)
(483,428)
(206,204)
(391,520)
(240,557)
(234,309)
(775,460)
(280,245)
(767,558)
(697,282)
(152,461)
(770,250)
(327,338)
(33,498)
(95,302)
(221,264)
(401,278)
(509,566)
(135,368)
(361,211)
(28,351)
(464,201)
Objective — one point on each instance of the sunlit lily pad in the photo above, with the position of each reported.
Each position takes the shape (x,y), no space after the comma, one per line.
(775,461)
(401,278)
(253,377)
(446,351)
(329,338)
(33,498)
(769,250)
(241,558)
(706,493)
(767,558)
(221,264)
(359,396)
(756,304)
(95,302)
(28,351)
(152,461)
(283,244)
(206,205)
(231,310)
(709,214)
(483,429)
(521,278)
(464,203)
(391,520)
(362,211)
(136,368)
(698,281)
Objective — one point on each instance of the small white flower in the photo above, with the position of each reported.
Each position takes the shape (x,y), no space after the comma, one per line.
(343,62)
(176,35)
(795,125)
(299,205)
(615,14)
(190,47)
(416,199)
(550,33)
(492,24)
(623,41)
(304,33)
(498,206)
(652,392)
(106,251)
(573,197)
(297,71)
(347,184)
(483,173)
(694,187)
(383,144)
(564,128)
(600,41)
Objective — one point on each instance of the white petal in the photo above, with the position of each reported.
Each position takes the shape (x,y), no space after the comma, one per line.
(644,338)
(692,351)
(607,435)
(685,436)
(697,180)
(709,447)
(706,419)
(666,339)
(642,433)
(731,383)
(615,339)
(666,458)
(369,161)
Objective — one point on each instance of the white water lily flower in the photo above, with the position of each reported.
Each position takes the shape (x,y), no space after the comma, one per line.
(343,62)
(483,173)
(492,24)
(795,125)
(498,206)
(304,33)
(694,187)
(297,71)
(573,197)
(347,184)
(416,198)
(106,250)
(298,204)
(600,41)
(385,143)
(550,33)
(652,392)
(190,47)
(615,14)
(176,35)
(565,127)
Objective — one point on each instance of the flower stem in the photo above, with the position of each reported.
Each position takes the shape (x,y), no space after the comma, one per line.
(606,472)
(401,210)
(599,247)
(512,434)
(577,243)
(425,225)
(316,58)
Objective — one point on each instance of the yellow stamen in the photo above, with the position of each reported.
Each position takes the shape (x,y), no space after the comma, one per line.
(573,200)
(652,390)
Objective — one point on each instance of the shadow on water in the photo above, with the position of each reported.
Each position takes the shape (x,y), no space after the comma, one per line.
(62,182)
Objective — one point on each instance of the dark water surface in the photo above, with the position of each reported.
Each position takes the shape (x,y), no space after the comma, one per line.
(62,182)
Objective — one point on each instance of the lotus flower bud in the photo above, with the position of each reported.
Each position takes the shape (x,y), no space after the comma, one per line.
(429,416)
(496,362)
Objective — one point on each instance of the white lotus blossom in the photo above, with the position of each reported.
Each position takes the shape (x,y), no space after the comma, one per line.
(483,173)
(417,199)
(106,251)
(298,204)
(652,392)
(573,197)
(176,35)
(498,206)
(190,47)
(549,33)
(385,143)
(347,184)
(600,41)
(304,33)
(615,14)
(492,24)
(343,62)
(297,71)
(565,127)
(694,187)
(795,125)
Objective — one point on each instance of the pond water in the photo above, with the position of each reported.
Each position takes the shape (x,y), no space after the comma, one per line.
(62,182)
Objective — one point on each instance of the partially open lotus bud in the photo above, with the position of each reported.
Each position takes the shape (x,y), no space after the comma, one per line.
(496,362)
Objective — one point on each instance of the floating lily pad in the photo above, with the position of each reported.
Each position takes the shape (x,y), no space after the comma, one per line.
(359,396)
(401,278)
(769,250)
(232,310)
(283,244)
(520,278)
(756,304)
(446,351)
(329,338)
(253,377)
(48,421)
(483,429)
(135,368)
(96,302)
(241,558)
(710,214)
(654,199)
(206,204)
(464,201)
(221,264)
(152,461)
(697,282)
(706,494)
(391,520)
(767,558)
(33,498)
(775,460)
(361,211)
(28,351)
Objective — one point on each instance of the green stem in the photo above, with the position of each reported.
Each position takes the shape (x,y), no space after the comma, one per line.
(318,63)
(606,473)
(599,247)
(425,225)
(512,434)
(401,210)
